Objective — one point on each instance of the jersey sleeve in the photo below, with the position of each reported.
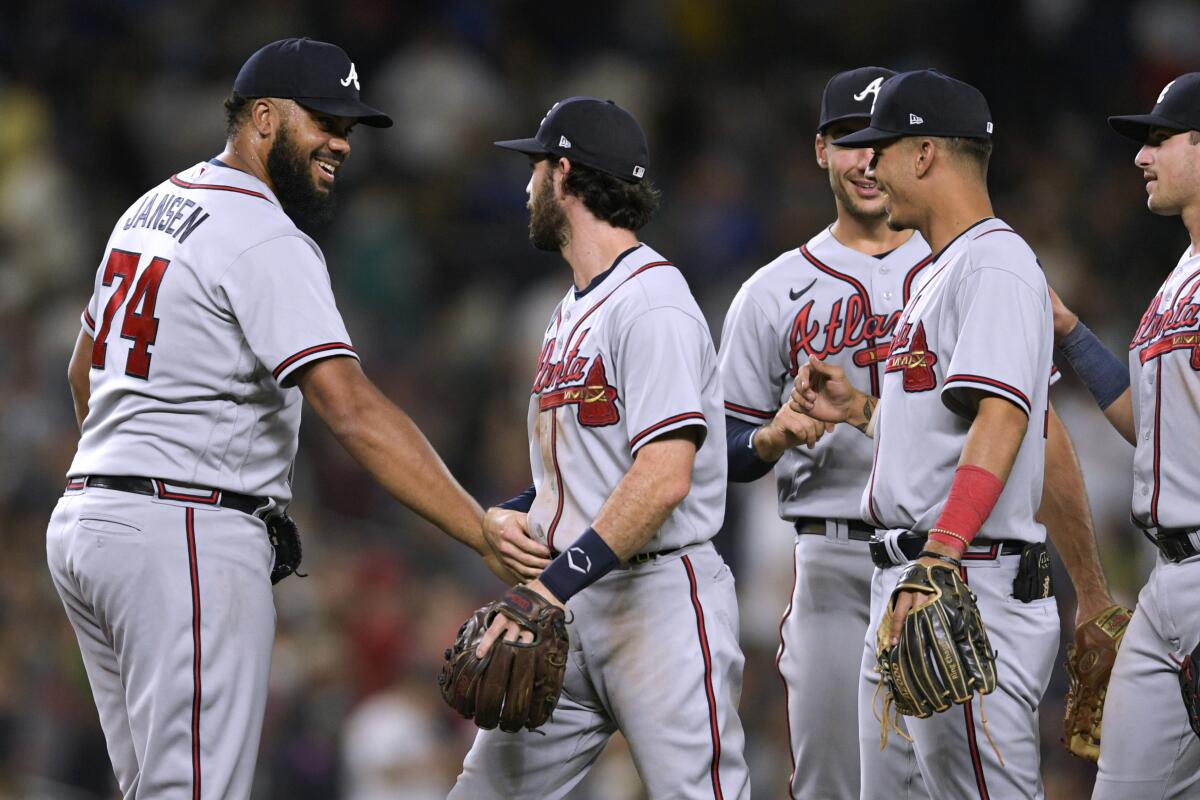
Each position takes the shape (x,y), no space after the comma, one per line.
(660,368)
(748,362)
(1003,331)
(88,318)
(280,293)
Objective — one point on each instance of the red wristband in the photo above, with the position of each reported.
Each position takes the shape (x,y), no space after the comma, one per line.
(973,495)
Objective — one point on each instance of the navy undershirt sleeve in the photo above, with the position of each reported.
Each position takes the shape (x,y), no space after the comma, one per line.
(744,463)
(522,502)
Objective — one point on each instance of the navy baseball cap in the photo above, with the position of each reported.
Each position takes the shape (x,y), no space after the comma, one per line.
(850,95)
(1177,109)
(593,132)
(317,75)
(924,103)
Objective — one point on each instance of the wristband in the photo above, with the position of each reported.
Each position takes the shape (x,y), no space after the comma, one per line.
(586,561)
(954,562)
(1101,371)
(973,495)
(522,502)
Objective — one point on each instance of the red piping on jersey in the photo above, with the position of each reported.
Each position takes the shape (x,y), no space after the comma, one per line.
(166,494)
(750,412)
(175,179)
(912,274)
(308,351)
(994,230)
(713,723)
(972,742)
(862,292)
(557,477)
(1157,445)
(787,612)
(965,378)
(659,425)
(194,571)
(87,317)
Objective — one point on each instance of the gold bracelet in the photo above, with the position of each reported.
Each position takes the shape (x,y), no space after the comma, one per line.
(962,539)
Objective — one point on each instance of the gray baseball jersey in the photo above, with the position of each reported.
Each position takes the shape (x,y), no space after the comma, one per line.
(623,362)
(208,299)
(1149,750)
(981,321)
(831,301)
(654,646)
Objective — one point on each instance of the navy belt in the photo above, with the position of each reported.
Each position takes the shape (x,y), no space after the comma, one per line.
(910,546)
(855,530)
(154,487)
(1176,544)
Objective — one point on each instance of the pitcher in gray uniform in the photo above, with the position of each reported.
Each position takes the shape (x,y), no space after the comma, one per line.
(1149,750)
(959,428)
(626,435)
(211,315)
(838,298)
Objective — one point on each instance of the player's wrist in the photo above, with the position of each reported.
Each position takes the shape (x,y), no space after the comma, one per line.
(766,443)
(859,409)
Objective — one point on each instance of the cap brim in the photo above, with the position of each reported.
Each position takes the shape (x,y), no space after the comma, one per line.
(867,137)
(830,123)
(1138,126)
(342,107)
(530,147)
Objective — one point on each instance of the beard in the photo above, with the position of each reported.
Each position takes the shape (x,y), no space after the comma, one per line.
(547,220)
(851,204)
(291,174)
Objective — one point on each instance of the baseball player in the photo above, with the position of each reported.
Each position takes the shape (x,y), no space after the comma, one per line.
(838,298)
(211,314)
(625,431)
(1148,749)
(959,429)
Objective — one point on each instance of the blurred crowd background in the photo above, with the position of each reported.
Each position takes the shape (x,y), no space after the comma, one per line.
(446,300)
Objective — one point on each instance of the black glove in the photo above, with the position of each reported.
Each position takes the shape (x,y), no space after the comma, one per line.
(1189,685)
(285,538)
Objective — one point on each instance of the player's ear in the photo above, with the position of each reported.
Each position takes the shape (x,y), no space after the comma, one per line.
(264,117)
(822,153)
(923,156)
(560,174)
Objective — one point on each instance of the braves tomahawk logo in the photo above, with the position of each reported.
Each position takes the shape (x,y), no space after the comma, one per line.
(1160,331)
(916,362)
(561,383)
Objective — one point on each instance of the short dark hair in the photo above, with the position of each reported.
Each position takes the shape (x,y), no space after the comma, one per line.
(619,203)
(237,111)
(978,151)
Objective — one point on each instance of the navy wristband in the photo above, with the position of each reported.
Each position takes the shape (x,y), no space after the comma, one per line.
(522,502)
(744,462)
(1103,374)
(586,561)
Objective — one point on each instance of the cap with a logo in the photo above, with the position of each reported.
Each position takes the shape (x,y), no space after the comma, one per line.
(924,103)
(850,95)
(1177,108)
(317,75)
(593,132)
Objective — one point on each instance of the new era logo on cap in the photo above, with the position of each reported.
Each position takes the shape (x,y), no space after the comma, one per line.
(639,172)
(913,119)
(564,143)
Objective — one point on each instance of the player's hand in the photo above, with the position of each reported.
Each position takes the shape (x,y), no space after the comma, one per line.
(1065,321)
(1090,604)
(823,392)
(509,630)
(908,600)
(788,429)
(507,534)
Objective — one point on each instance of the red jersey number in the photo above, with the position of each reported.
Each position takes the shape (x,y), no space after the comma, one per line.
(139,324)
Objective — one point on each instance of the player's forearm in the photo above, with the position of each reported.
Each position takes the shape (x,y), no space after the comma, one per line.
(1120,415)
(1068,520)
(391,447)
(995,437)
(79,376)
(658,481)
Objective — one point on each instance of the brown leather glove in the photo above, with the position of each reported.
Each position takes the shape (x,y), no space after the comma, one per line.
(1089,665)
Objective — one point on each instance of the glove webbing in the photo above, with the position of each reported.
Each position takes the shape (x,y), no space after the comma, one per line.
(889,719)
